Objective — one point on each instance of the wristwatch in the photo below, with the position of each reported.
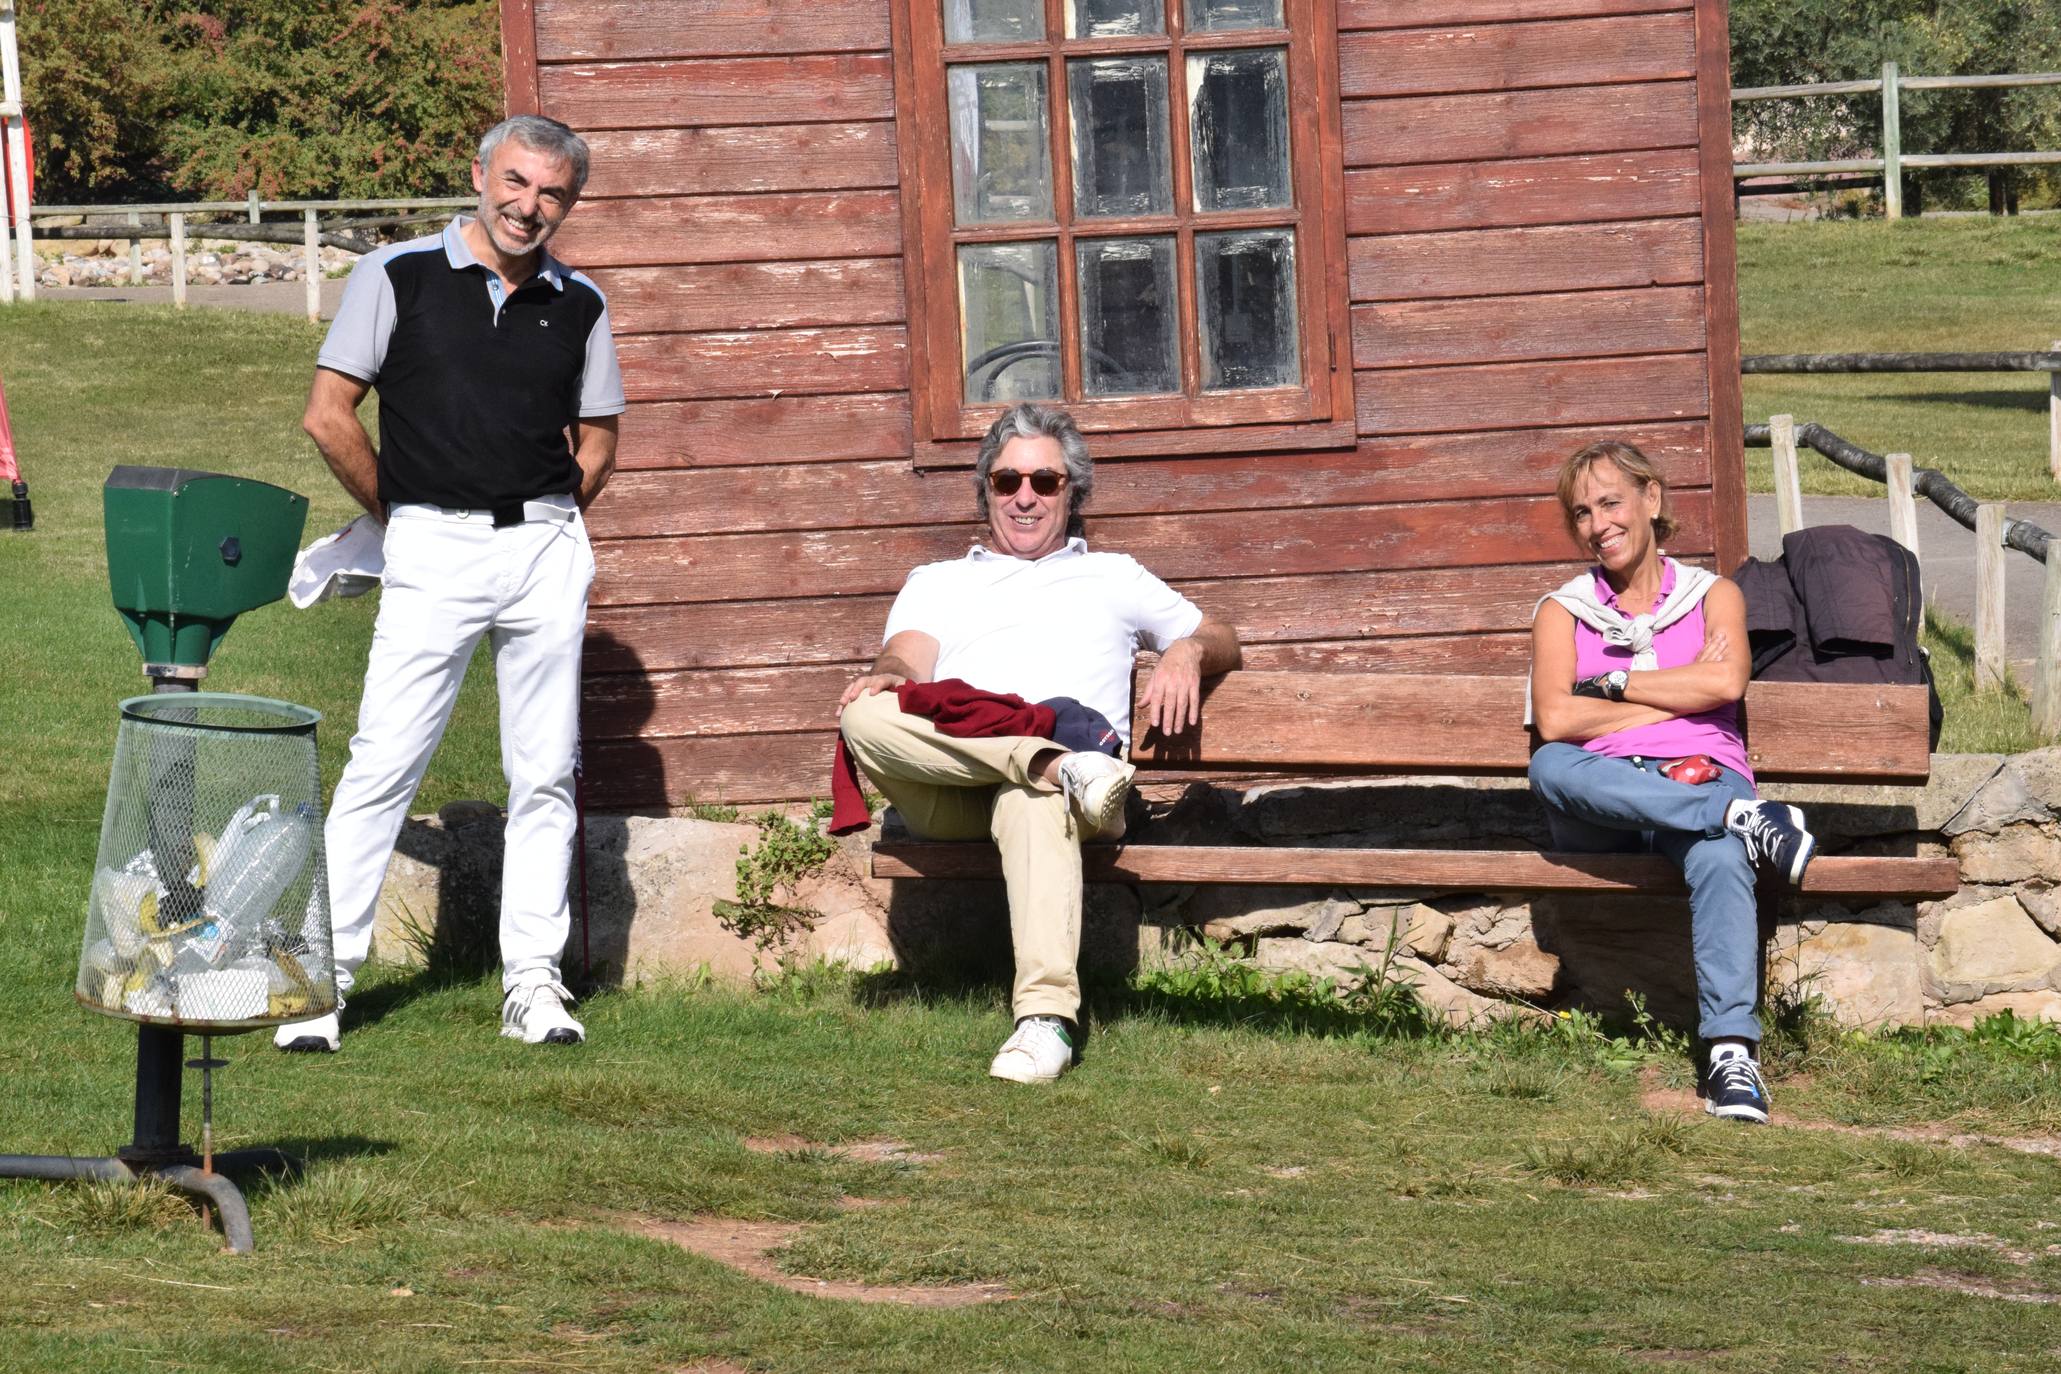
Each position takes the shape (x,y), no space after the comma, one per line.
(1607,686)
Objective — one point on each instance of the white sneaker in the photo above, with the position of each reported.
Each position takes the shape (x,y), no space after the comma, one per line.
(1095,786)
(535,1014)
(1037,1052)
(316,1035)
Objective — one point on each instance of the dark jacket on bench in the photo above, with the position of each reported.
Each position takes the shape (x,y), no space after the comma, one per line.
(1839,605)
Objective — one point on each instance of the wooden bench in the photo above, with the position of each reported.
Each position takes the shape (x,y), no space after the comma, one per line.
(1368,724)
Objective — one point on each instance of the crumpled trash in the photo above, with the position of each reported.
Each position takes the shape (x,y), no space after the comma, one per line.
(346,563)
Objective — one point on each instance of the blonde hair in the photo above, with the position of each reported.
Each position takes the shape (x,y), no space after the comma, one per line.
(1628,460)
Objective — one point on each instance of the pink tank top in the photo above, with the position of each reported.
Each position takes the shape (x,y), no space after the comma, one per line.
(1715,733)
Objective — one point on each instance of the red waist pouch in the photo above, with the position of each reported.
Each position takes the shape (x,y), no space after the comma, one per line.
(1697,768)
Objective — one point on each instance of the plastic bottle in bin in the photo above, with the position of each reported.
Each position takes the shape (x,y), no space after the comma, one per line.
(263,850)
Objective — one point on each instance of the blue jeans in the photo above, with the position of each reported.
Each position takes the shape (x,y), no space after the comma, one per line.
(1599,805)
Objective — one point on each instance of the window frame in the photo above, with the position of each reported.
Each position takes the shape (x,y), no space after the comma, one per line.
(1317,413)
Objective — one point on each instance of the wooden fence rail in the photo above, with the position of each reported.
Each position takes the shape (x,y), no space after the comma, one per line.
(2048,362)
(174,224)
(1995,531)
(1894,162)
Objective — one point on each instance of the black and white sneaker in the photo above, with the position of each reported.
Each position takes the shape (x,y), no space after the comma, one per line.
(317,1035)
(535,1014)
(1732,1088)
(1775,837)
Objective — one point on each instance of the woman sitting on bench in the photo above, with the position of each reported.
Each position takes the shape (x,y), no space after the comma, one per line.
(1638,665)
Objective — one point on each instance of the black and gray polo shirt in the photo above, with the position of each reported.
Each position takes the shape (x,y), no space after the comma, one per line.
(477,386)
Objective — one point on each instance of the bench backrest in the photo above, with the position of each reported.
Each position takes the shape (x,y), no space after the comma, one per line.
(1407,723)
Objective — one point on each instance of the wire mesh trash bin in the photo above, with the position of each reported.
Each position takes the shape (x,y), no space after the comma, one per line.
(210,898)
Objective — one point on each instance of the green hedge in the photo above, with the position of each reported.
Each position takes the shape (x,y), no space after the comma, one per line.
(1791,42)
(213,99)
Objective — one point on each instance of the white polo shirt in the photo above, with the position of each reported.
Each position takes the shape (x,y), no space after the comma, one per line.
(1065,625)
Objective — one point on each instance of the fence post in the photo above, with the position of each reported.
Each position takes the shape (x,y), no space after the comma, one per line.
(179,260)
(1892,147)
(6,211)
(1788,485)
(311,262)
(1903,501)
(2054,420)
(1989,597)
(135,250)
(18,193)
(2046,692)
(253,205)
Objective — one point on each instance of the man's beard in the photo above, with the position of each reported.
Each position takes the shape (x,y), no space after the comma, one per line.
(490,224)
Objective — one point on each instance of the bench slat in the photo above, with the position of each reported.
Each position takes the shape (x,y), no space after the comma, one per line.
(1455,724)
(1466,870)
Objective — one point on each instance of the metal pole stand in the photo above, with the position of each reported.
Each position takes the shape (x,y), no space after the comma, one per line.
(160,1068)
(157,1149)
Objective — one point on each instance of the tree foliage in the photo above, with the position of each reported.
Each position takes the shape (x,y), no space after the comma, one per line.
(88,93)
(1791,42)
(216,98)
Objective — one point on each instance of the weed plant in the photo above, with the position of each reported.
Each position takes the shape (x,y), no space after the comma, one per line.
(768,873)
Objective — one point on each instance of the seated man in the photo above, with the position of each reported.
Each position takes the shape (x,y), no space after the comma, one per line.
(1030,612)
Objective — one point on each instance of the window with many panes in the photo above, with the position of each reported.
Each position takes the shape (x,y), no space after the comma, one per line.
(1123,206)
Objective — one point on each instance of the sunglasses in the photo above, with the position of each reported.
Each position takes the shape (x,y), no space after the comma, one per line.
(1044,482)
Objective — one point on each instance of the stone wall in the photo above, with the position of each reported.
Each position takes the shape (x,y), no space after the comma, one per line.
(1994,945)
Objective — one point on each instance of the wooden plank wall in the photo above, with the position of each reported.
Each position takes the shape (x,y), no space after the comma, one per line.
(1526,205)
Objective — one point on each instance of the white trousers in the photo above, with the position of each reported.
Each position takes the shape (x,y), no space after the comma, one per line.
(450,579)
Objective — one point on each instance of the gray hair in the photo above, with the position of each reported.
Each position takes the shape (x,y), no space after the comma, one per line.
(1028,420)
(539,135)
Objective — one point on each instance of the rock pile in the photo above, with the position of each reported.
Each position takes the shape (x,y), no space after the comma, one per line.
(1472,957)
(209,262)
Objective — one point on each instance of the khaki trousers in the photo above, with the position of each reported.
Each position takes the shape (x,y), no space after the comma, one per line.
(951,788)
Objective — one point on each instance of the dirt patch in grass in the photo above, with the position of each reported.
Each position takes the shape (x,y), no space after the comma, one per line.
(748,1247)
(860,1151)
(1656,1098)
(1950,1240)
(1675,1356)
(1971,1286)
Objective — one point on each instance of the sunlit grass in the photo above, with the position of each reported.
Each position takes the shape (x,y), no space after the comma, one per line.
(1916,286)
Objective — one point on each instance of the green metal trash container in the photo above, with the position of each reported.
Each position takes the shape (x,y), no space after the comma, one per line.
(188,552)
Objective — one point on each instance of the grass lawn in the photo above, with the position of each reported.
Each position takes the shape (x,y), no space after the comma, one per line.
(1916,286)
(1243,1175)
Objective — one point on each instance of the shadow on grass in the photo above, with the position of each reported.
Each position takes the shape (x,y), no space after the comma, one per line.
(1387,1011)
(1216,993)
(371,1005)
(1992,400)
(326,1149)
(300,1153)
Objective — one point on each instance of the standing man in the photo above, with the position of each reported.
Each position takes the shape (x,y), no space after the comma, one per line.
(498,397)
(1030,612)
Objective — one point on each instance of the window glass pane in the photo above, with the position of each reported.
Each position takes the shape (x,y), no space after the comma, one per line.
(1245,307)
(1129,313)
(1206,15)
(1119,118)
(994,21)
(1001,142)
(1238,128)
(1114,18)
(1009,303)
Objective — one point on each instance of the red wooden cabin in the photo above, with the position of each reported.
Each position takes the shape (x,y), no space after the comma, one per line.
(1333,292)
